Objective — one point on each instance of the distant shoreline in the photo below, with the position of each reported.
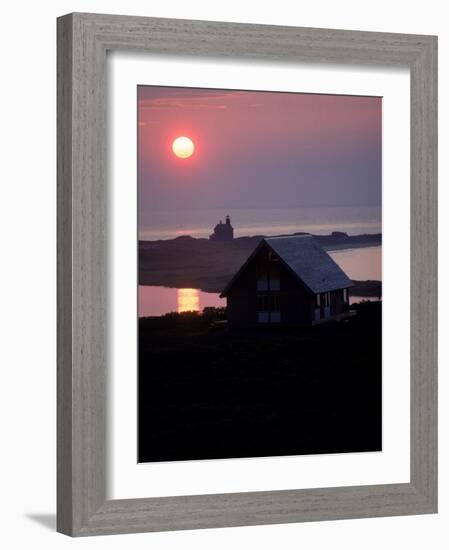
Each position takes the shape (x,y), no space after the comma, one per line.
(187,262)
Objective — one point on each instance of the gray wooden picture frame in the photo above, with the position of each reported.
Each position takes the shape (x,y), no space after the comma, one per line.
(83,40)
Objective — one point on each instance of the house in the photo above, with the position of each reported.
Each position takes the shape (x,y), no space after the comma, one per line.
(288,280)
(223,231)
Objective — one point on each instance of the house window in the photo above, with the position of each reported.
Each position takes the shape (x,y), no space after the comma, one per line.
(274,276)
(268,308)
(268,276)
(275,302)
(262,304)
(262,277)
(345,295)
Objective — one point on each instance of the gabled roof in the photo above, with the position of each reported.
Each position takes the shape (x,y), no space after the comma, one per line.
(310,262)
(306,259)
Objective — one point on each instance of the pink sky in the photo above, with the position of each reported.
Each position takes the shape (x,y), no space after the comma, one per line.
(258,149)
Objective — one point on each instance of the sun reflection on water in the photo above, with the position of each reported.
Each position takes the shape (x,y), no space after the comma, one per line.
(188,299)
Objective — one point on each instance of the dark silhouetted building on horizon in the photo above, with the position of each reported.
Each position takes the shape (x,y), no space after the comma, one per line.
(223,231)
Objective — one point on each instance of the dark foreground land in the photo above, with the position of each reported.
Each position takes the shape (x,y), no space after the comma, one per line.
(208,265)
(205,395)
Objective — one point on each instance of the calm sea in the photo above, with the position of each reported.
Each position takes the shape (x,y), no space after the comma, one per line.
(359,264)
(354,220)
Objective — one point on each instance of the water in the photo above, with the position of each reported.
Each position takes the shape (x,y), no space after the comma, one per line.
(158,300)
(358,263)
(354,220)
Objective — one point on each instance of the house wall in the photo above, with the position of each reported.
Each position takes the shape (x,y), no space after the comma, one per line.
(337,303)
(242,299)
(296,301)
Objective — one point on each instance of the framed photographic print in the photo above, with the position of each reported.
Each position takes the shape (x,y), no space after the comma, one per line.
(246,274)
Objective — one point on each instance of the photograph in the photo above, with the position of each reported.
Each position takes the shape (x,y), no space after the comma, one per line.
(259,273)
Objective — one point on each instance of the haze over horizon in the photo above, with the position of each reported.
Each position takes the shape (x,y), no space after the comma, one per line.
(257,149)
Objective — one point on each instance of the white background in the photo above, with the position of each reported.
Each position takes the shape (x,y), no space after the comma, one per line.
(27,392)
(131,480)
